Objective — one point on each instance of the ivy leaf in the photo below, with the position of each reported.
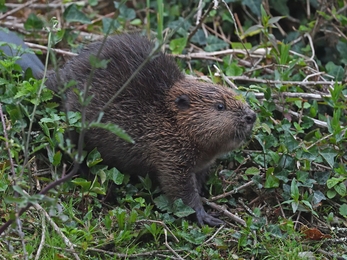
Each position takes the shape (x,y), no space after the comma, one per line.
(83,183)
(178,45)
(318,196)
(340,189)
(72,14)
(335,70)
(334,181)
(116,176)
(214,44)
(342,49)
(343,210)
(94,157)
(33,22)
(271,180)
(280,6)
(329,156)
(253,5)
(252,171)
(234,70)
(163,203)
(181,210)
(109,25)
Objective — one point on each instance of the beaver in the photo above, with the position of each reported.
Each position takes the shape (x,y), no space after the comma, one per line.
(179,125)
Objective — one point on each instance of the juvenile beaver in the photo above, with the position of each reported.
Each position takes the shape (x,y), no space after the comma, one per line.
(179,125)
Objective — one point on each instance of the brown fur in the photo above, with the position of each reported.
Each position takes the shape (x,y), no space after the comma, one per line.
(175,122)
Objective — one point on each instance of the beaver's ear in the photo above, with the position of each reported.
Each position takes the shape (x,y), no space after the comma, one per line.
(182,102)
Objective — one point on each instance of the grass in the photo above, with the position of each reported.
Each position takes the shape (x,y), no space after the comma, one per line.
(286,184)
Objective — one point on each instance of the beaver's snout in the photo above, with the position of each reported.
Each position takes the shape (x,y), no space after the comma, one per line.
(250,116)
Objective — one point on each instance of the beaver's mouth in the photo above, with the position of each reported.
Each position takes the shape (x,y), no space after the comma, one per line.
(243,132)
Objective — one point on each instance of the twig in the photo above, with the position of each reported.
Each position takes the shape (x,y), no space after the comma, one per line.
(231,84)
(317,122)
(42,47)
(234,191)
(310,96)
(38,6)
(139,255)
(258,53)
(200,22)
(21,235)
(57,229)
(6,140)
(44,191)
(214,235)
(43,237)
(169,247)
(224,211)
(274,82)
(160,223)
(22,6)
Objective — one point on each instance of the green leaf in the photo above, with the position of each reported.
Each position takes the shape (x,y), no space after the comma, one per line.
(93,158)
(294,190)
(253,5)
(57,158)
(242,46)
(335,70)
(329,156)
(33,22)
(199,38)
(318,196)
(214,44)
(20,191)
(234,69)
(342,49)
(271,180)
(275,19)
(116,176)
(295,206)
(181,210)
(195,236)
(115,129)
(146,182)
(253,30)
(124,11)
(20,201)
(340,189)
(163,203)
(284,53)
(98,63)
(252,171)
(178,45)
(334,181)
(280,6)
(331,194)
(343,210)
(96,187)
(321,177)
(83,183)
(109,25)
(72,14)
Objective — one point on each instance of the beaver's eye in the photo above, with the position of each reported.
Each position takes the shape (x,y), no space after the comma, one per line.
(220,106)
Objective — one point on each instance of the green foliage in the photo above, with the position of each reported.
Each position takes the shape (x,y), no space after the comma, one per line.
(293,166)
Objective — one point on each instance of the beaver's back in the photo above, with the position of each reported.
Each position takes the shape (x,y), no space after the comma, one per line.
(124,53)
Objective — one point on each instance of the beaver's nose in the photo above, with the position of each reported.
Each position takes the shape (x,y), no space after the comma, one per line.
(250,116)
